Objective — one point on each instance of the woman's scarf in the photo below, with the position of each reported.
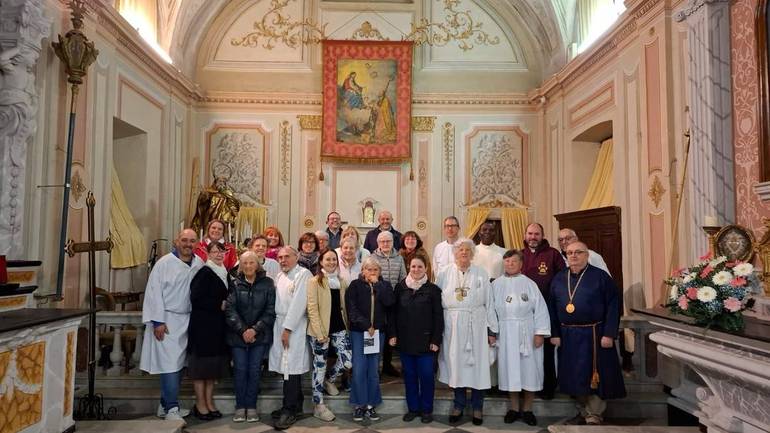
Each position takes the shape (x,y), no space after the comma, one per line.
(415,284)
(333,278)
(219,270)
(308,260)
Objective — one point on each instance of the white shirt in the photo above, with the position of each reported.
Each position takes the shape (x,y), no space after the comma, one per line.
(490,258)
(167,300)
(442,256)
(291,314)
(272,268)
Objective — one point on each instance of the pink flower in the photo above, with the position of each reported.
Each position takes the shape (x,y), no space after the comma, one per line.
(692,293)
(707,270)
(738,282)
(732,305)
(677,272)
(683,302)
(706,256)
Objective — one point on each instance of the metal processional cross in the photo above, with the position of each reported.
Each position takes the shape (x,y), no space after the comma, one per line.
(91,406)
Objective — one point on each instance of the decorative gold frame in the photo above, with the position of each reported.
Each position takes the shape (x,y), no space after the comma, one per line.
(745,255)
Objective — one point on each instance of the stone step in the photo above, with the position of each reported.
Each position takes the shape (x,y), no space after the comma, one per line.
(133,426)
(619,429)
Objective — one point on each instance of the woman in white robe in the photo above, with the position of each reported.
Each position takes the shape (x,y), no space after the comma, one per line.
(465,354)
(522,323)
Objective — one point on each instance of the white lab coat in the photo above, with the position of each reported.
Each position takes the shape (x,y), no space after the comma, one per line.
(167,300)
(520,313)
(291,314)
(464,358)
(489,258)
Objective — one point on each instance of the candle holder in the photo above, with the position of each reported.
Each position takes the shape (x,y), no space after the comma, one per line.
(711,232)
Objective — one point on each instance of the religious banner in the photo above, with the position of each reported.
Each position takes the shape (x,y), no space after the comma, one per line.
(367,101)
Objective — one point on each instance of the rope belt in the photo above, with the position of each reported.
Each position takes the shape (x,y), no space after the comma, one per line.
(525,333)
(595,374)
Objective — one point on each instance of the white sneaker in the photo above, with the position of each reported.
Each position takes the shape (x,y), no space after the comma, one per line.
(330,388)
(252,415)
(174,414)
(239,415)
(160,413)
(323,413)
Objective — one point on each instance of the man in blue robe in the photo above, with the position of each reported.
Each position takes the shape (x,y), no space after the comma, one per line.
(584,325)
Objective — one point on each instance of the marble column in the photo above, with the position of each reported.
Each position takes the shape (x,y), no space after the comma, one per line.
(710,176)
(22,27)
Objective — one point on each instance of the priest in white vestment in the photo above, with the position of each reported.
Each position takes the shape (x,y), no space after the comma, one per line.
(522,323)
(166,315)
(488,255)
(464,358)
(568,236)
(290,352)
(443,254)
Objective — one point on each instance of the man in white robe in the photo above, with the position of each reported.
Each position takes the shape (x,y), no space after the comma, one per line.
(290,352)
(464,358)
(488,255)
(568,236)
(521,322)
(166,314)
(443,255)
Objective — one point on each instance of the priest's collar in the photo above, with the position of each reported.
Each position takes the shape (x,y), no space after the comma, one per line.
(578,271)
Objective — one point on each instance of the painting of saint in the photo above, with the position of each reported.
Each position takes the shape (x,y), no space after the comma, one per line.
(366,104)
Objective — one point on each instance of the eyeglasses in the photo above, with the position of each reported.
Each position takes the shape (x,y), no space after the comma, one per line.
(576,252)
(451,225)
(565,238)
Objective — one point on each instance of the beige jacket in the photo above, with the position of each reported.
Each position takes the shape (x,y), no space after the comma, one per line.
(319,306)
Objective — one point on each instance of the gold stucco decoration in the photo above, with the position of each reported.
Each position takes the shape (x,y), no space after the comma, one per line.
(368,31)
(656,191)
(310,121)
(423,123)
(457,26)
(278,27)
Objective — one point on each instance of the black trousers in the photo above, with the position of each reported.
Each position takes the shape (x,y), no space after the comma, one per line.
(549,369)
(292,394)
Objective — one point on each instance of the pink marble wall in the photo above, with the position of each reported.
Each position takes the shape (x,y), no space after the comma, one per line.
(750,210)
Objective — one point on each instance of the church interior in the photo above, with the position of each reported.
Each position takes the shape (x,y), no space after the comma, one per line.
(643,125)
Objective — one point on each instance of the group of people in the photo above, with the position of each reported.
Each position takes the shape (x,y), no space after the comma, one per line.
(489,317)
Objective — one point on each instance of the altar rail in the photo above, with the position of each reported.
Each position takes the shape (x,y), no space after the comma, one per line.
(124,331)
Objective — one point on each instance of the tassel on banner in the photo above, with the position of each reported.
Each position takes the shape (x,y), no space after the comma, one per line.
(595,380)
(321,174)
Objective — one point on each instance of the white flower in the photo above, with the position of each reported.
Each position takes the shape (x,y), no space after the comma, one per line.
(674,292)
(706,294)
(689,277)
(717,261)
(743,269)
(722,278)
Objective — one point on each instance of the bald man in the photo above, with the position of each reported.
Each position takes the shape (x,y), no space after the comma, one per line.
(166,314)
(568,236)
(385,218)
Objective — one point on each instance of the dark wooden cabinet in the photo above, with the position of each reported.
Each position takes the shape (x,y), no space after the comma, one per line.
(599,229)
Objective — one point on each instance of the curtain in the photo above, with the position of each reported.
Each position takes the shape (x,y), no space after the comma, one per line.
(250,221)
(600,189)
(129,248)
(514,224)
(475,218)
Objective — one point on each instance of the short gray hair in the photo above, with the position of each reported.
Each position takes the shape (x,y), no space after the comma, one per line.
(464,242)
(370,262)
(322,234)
(290,249)
(384,235)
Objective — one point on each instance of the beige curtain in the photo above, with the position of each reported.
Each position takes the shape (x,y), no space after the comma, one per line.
(250,221)
(475,218)
(600,189)
(129,248)
(514,224)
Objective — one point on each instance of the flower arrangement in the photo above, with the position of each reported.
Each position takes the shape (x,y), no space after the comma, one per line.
(714,292)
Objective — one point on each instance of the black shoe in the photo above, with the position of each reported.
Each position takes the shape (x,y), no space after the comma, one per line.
(276,414)
(390,370)
(372,414)
(409,416)
(454,419)
(529,418)
(358,414)
(201,416)
(511,416)
(545,395)
(426,418)
(478,421)
(576,420)
(216,413)
(286,420)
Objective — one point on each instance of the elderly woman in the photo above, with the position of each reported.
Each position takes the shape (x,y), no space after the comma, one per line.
(367,301)
(393,271)
(521,321)
(464,362)
(411,247)
(416,330)
(274,242)
(308,252)
(205,345)
(327,327)
(352,233)
(215,232)
(250,312)
(323,239)
(350,266)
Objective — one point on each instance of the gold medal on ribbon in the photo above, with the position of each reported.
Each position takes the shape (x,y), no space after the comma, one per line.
(461,293)
(570,308)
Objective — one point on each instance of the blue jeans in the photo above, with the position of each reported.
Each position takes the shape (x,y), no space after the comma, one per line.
(477,398)
(365,387)
(418,381)
(169,389)
(247,367)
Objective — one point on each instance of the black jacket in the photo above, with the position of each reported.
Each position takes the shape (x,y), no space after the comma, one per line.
(418,318)
(207,320)
(250,306)
(358,303)
(370,242)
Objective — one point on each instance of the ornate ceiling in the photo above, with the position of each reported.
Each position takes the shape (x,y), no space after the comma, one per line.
(540,27)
